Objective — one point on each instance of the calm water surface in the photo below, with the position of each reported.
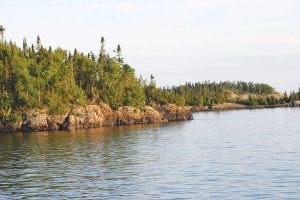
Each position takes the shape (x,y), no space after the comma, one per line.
(246,154)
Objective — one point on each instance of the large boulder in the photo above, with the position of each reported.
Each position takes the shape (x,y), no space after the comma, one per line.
(296,103)
(130,115)
(10,127)
(151,115)
(108,114)
(55,122)
(34,120)
(90,116)
(175,113)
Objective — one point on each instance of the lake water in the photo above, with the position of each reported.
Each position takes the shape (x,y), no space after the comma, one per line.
(245,154)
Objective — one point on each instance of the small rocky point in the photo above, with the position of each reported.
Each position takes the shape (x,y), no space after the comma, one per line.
(93,116)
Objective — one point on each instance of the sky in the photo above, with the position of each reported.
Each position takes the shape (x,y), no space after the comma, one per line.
(177,41)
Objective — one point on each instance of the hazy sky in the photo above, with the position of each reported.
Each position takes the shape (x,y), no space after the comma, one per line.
(175,40)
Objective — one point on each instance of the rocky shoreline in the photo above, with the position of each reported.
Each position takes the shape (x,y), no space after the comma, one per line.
(94,116)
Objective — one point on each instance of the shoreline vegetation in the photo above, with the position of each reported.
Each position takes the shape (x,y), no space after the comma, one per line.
(234,106)
(49,89)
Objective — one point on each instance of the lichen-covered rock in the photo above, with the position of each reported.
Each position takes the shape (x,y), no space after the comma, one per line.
(34,120)
(151,115)
(175,113)
(130,115)
(108,114)
(90,116)
(84,117)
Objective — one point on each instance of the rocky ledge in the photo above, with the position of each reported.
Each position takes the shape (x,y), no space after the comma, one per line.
(93,116)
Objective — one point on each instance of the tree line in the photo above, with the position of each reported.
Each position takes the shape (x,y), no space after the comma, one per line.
(211,93)
(36,77)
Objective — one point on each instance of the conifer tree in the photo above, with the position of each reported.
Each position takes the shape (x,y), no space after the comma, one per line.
(102,49)
(119,54)
(2,30)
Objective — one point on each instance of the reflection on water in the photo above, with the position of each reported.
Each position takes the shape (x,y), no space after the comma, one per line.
(237,154)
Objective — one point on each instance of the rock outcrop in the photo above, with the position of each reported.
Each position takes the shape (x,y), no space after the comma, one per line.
(55,122)
(93,116)
(172,112)
(10,127)
(129,115)
(90,116)
(34,120)
(152,115)
(296,103)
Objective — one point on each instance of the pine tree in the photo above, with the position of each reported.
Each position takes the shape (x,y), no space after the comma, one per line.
(119,55)
(25,48)
(2,30)
(38,43)
(102,50)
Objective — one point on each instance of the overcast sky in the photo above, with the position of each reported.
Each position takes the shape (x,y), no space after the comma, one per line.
(175,40)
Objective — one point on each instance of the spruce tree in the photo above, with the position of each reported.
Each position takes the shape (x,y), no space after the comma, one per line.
(2,30)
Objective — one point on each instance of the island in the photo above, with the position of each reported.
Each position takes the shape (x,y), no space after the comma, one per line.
(42,88)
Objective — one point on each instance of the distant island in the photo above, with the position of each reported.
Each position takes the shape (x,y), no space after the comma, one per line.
(48,89)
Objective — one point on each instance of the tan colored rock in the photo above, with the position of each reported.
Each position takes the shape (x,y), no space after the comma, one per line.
(90,116)
(55,122)
(152,116)
(128,115)
(34,120)
(296,103)
(175,113)
(108,114)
